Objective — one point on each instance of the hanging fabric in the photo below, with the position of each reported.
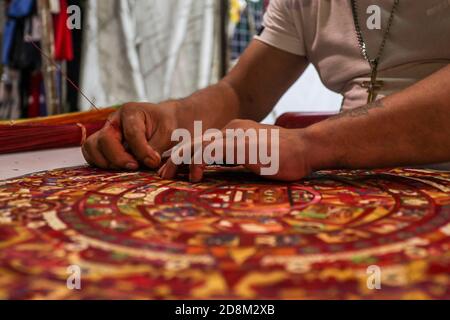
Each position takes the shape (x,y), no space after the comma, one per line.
(163,44)
(20,8)
(9,94)
(55,6)
(17,53)
(32,29)
(16,9)
(250,23)
(18,58)
(23,42)
(63,36)
(34,95)
(8,40)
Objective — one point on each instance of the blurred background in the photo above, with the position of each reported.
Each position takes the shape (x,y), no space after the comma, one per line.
(118,51)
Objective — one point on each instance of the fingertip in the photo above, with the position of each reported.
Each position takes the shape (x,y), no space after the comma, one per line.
(162,175)
(151,163)
(157,157)
(196,174)
(85,154)
(161,170)
(170,170)
(131,166)
(153,159)
(94,157)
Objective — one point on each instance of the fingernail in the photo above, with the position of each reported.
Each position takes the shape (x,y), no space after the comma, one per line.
(154,156)
(161,170)
(131,166)
(164,173)
(156,162)
(157,157)
(153,160)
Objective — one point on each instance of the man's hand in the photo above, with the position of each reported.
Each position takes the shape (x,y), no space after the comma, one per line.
(140,132)
(291,155)
(408,128)
(135,135)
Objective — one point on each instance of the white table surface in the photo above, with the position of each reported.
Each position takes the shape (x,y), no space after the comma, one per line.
(19,164)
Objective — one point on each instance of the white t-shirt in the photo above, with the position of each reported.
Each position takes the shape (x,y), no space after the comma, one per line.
(324,32)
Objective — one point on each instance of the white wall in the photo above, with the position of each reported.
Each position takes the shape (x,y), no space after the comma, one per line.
(308,94)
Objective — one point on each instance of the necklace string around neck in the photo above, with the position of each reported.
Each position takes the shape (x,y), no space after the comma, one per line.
(373,86)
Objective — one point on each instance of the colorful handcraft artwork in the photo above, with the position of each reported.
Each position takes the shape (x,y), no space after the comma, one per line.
(234,236)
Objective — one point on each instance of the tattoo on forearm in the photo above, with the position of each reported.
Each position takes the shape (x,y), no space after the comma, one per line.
(359,112)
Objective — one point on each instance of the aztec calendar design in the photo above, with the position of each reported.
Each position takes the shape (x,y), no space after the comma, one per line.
(234,236)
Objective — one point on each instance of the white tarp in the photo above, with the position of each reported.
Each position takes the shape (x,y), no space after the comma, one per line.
(152,50)
(148,50)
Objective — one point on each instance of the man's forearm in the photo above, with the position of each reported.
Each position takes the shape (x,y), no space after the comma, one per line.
(215,106)
(249,91)
(408,128)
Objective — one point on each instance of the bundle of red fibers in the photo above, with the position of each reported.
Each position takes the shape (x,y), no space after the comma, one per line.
(52,132)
